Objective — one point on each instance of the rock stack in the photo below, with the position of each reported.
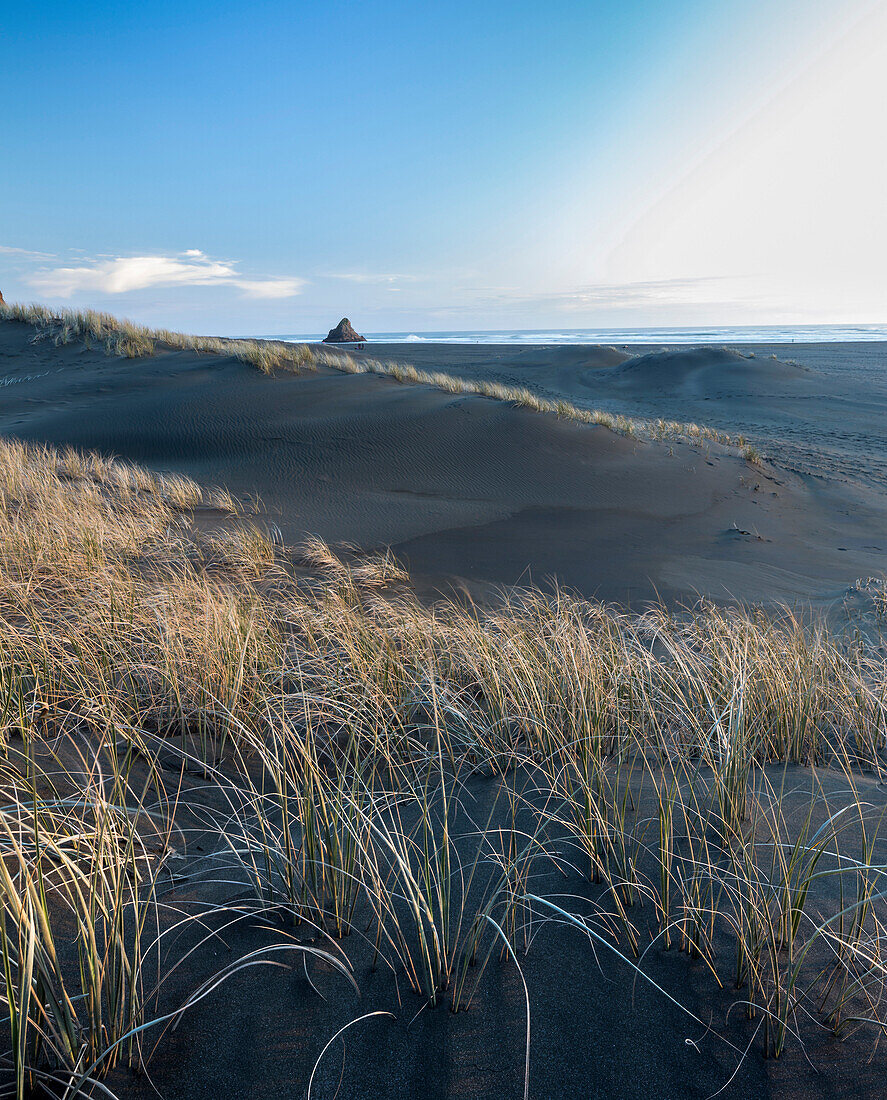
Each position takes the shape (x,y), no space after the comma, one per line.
(343,333)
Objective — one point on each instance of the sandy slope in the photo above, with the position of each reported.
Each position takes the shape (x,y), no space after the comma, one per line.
(461,486)
(821,408)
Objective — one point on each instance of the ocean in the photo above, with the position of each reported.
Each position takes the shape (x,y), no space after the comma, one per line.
(728,334)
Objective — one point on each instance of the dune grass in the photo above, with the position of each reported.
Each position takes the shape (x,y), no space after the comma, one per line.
(124,338)
(132,341)
(705,780)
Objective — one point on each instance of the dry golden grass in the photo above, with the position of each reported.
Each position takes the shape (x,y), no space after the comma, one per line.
(132,341)
(706,776)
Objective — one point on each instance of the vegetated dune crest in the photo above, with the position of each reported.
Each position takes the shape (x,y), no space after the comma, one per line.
(820,409)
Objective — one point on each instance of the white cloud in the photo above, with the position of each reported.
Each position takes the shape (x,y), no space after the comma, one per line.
(123,274)
(649,292)
(129,273)
(269,288)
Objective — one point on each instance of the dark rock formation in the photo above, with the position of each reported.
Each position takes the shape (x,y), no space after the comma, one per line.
(343,333)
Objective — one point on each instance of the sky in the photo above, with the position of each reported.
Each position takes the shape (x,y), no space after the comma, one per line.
(240,169)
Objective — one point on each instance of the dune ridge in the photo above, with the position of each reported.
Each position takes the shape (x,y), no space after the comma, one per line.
(136,341)
(702,369)
(820,410)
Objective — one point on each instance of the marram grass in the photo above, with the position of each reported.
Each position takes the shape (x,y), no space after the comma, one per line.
(132,341)
(705,778)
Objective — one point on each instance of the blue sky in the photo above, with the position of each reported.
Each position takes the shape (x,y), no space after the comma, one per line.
(218,167)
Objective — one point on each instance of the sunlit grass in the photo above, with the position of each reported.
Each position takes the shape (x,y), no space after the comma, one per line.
(125,338)
(706,777)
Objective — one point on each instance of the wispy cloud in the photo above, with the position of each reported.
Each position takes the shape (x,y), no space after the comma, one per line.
(693,290)
(269,288)
(123,274)
(24,253)
(652,292)
(372,278)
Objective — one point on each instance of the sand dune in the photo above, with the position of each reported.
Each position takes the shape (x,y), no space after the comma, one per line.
(821,408)
(462,487)
(703,371)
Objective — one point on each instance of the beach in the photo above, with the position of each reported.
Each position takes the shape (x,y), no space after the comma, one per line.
(478,493)
(443,551)
(454,734)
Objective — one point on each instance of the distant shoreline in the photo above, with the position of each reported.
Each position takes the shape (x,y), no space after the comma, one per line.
(708,335)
